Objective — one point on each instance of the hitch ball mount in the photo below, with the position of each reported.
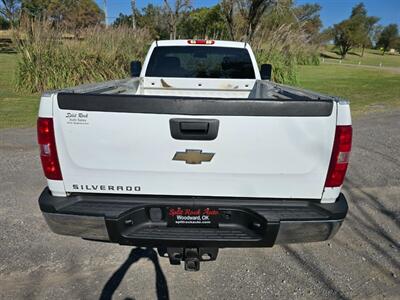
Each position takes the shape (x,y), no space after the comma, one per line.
(190,256)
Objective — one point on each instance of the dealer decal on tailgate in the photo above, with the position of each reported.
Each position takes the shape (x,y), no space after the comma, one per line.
(193,217)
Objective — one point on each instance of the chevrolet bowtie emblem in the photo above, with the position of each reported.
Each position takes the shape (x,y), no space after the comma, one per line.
(193,157)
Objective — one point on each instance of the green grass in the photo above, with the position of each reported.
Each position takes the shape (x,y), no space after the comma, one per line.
(17,109)
(367,89)
(371,57)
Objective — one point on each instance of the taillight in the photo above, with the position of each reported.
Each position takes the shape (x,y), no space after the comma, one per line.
(48,151)
(340,156)
(201,42)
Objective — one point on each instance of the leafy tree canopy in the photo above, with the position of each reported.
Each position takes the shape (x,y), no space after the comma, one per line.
(71,14)
(357,30)
(389,38)
(4,23)
(308,15)
(9,12)
(150,17)
(204,22)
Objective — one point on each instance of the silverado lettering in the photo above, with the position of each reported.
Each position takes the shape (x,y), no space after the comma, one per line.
(102,187)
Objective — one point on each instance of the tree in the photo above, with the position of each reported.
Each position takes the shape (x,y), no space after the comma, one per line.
(70,14)
(243,16)
(133,7)
(326,36)
(376,33)
(355,31)
(397,45)
(35,9)
(388,38)
(307,12)
(367,25)
(358,10)
(308,17)
(252,11)
(123,20)
(346,35)
(76,14)
(228,7)
(175,14)
(9,10)
(204,22)
(4,23)
(151,17)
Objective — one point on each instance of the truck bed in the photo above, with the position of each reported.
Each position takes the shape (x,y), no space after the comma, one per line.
(251,89)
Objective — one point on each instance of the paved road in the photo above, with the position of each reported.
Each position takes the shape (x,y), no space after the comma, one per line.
(362,261)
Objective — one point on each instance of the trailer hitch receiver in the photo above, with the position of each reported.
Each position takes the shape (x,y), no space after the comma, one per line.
(190,256)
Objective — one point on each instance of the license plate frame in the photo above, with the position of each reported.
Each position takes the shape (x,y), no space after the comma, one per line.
(193,217)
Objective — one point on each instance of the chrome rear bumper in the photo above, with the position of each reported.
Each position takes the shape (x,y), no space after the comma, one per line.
(87,227)
(306,231)
(127,220)
(94,228)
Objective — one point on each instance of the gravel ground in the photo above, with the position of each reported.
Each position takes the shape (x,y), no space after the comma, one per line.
(362,261)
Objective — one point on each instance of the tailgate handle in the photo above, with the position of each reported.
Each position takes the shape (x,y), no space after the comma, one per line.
(194,129)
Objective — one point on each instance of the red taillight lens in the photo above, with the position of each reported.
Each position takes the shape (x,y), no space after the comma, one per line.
(201,42)
(48,150)
(340,156)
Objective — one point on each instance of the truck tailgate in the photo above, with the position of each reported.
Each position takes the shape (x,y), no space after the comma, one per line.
(263,148)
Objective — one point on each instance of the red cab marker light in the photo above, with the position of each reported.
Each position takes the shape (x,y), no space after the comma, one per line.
(201,42)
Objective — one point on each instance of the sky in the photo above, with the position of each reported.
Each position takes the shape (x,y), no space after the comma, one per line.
(333,11)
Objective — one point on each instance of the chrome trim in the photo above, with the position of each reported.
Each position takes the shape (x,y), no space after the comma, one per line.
(307,231)
(84,226)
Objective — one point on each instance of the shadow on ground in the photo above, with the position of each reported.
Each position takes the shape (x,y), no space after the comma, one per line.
(134,256)
(329,55)
(364,236)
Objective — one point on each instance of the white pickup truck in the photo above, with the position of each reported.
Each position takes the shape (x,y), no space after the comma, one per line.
(197,151)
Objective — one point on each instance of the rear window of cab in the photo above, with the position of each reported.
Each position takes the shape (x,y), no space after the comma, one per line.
(200,62)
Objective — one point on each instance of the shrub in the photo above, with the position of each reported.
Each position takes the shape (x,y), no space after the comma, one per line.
(284,68)
(53,59)
(284,48)
(308,57)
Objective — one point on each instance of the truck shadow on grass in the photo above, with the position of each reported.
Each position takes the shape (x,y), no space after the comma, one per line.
(134,256)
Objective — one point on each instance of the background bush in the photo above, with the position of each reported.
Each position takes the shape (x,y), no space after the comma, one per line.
(286,48)
(60,45)
(52,59)
(310,57)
